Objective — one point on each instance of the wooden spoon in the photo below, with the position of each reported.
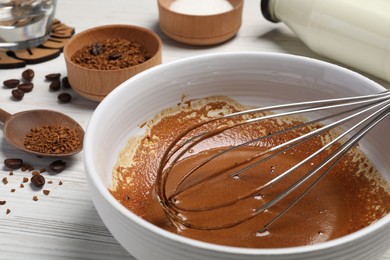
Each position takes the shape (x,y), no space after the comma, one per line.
(17,126)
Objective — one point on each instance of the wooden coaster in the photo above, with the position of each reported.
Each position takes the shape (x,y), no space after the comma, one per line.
(62,31)
(7,62)
(35,55)
(52,48)
(55,43)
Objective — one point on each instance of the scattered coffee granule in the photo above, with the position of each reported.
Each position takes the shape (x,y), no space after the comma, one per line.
(55,139)
(60,183)
(111,54)
(26,167)
(37,179)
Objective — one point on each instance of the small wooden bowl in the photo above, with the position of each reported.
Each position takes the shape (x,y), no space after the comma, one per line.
(95,84)
(200,29)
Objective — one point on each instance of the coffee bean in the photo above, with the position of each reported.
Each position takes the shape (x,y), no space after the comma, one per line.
(55,85)
(114,55)
(26,87)
(13,163)
(57,166)
(53,76)
(64,97)
(28,75)
(18,94)
(65,83)
(96,48)
(11,83)
(38,180)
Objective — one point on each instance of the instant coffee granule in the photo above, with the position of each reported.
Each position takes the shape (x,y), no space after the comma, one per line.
(111,54)
(18,179)
(26,167)
(54,139)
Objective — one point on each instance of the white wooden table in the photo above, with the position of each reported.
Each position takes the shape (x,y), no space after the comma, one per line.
(65,224)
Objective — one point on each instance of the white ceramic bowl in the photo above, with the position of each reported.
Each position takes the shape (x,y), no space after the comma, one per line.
(253,78)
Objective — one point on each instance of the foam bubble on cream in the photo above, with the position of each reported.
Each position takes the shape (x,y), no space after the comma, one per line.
(201,7)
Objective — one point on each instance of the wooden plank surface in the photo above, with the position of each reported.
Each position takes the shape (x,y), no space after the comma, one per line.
(65,224)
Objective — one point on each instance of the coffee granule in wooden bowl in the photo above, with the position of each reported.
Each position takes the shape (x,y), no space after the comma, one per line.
(111,54)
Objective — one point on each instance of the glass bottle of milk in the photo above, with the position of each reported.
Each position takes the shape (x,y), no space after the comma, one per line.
(353,32)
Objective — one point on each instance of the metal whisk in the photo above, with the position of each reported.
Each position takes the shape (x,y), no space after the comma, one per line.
(356,115)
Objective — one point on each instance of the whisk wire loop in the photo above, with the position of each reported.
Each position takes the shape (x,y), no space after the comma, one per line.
(373,108)
(336,157)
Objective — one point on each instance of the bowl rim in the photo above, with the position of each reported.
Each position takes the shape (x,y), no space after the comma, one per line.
(117,93)
(234,9)
(68,56)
